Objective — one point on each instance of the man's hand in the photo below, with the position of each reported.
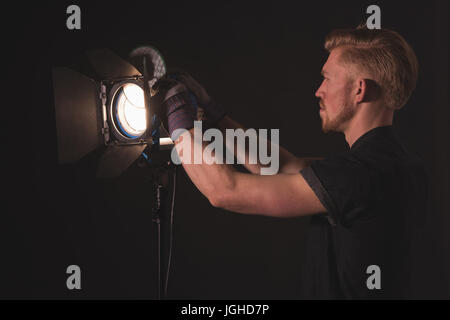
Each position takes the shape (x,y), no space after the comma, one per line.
(179,109)
(195,87)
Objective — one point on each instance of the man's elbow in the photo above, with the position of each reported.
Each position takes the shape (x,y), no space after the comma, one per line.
(217,200)
(225,194)
(223,197)
(214,201)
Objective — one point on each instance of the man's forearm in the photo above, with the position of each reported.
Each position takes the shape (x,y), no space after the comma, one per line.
(279,195)
(289,163)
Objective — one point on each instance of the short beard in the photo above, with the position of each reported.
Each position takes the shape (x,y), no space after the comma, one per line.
(345,115)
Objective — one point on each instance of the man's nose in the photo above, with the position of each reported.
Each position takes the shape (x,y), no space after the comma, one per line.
(321,91)
(318,93)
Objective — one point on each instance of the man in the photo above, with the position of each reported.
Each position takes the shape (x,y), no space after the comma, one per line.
(362,200)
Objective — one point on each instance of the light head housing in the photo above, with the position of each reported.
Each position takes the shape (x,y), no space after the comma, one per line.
(113,109)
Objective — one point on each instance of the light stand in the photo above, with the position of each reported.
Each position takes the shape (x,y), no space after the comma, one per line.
(160,187)
(163,172)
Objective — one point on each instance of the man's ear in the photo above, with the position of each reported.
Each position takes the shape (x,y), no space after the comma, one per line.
(367,90)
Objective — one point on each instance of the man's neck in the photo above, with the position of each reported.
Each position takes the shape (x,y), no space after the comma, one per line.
(368,118)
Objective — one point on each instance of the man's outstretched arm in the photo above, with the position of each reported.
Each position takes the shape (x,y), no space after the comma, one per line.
(280,195)
(289,163)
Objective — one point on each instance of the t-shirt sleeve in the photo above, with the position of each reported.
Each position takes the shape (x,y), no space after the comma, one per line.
(342,184)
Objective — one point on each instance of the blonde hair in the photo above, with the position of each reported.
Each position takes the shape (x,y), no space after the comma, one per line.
(384,55)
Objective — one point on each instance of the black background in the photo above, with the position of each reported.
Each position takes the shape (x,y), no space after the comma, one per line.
(263,62)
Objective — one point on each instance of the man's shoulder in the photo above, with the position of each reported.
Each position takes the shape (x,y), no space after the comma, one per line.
(373,160)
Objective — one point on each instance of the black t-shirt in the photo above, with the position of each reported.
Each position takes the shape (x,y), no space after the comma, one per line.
(371,193)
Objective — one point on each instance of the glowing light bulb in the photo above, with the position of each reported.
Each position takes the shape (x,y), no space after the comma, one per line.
(131,113)
(135,117)
(134,94)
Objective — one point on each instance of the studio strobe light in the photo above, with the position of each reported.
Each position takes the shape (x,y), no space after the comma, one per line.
(115,109)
